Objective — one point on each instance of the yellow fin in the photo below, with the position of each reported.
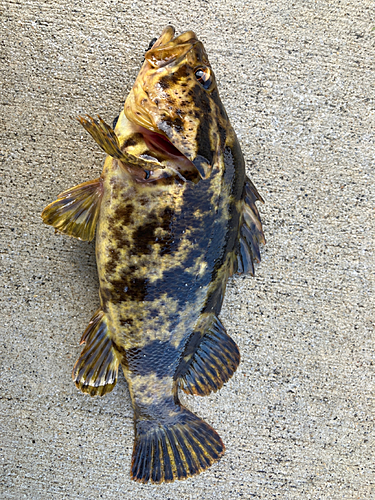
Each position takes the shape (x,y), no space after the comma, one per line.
(209,361)
(103,135)
(178,446)
(95,371)
(107,139)
(76,210)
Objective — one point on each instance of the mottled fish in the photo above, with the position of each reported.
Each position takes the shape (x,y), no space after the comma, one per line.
(175,216)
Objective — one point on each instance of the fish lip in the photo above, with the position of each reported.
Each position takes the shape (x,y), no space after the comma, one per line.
(159,54)
(166,36)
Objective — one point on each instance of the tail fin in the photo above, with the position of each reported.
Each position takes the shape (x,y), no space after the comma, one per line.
(178,447)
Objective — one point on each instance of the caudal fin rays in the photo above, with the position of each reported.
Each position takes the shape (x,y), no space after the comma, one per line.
(176,448)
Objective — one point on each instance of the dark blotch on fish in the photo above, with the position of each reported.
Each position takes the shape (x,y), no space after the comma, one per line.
(157,357)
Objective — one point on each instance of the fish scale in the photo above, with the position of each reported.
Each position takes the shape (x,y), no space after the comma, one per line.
(174,216)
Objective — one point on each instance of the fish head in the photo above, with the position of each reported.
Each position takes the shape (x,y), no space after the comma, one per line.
(175,95)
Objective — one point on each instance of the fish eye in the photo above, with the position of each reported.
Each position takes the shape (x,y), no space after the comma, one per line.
(203,75)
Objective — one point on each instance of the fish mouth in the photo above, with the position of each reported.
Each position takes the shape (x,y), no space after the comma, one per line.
(159,142)
(166,37)
(155,147)
(168,49)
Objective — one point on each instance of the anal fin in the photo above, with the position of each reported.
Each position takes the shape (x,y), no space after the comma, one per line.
(95,371)
(209,360)
(76,210)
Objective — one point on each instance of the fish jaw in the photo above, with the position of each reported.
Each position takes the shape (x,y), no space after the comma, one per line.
(148,145)
(168,99)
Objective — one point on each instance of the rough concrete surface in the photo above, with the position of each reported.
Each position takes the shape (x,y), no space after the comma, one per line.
(297,79)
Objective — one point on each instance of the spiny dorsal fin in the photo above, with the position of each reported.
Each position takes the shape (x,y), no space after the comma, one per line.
(209,360)
(251,232)
(76,210)
(95,371)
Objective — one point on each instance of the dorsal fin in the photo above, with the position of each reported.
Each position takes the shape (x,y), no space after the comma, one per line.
(251,232)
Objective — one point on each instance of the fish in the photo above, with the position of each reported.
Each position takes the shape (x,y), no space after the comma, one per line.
(174,216)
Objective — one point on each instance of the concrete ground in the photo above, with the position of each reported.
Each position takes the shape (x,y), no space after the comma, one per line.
(297,79)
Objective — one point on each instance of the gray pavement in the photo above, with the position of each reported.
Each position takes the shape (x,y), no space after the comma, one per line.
(297,79)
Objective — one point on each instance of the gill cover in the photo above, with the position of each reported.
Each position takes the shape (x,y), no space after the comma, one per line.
(175,94)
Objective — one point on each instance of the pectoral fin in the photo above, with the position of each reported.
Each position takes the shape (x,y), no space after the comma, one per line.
(251,232)
(95,371)
(209,361)
(76,211)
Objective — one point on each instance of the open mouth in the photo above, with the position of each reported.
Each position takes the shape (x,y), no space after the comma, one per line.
(160,143)
(157,148)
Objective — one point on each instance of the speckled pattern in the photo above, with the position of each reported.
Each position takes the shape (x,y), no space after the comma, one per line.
(296,79)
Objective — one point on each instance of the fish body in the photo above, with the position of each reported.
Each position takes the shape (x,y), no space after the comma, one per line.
(175,216)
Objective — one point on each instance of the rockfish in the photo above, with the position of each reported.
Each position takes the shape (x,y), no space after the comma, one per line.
(175,216)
